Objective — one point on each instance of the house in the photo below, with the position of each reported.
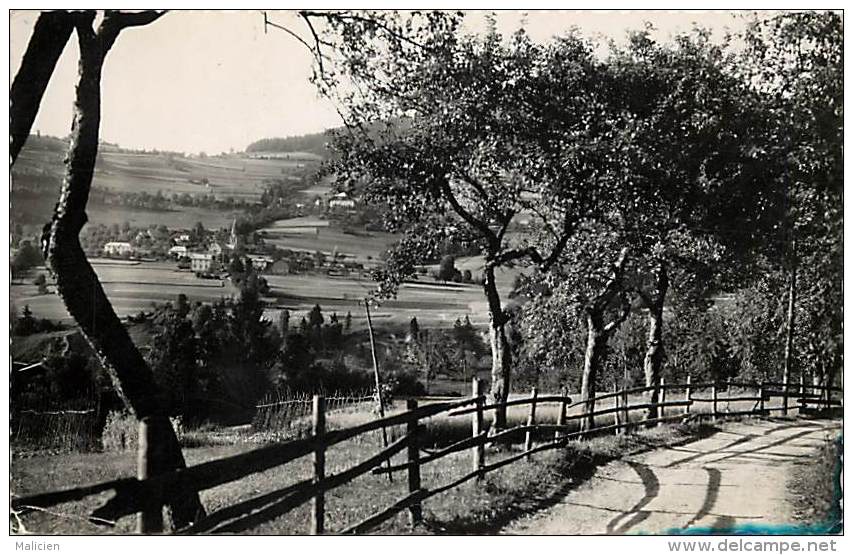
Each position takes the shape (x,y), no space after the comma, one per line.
(178,251)
(260,262)
(215,249)
(183,238)
(118,248)
(203,262)
(343,201)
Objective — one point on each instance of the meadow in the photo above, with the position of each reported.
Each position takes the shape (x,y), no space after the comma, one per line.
(132,287)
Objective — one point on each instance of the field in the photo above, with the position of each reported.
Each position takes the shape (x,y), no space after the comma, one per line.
(314,234)
(132,287)
(235,176)
(227,176)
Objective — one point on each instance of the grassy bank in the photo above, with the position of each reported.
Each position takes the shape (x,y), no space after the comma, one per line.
(471,508)
(817,490)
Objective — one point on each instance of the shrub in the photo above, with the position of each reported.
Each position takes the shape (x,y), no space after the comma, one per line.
(120,432)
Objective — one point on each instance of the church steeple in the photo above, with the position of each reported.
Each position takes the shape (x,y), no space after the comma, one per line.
(232,241)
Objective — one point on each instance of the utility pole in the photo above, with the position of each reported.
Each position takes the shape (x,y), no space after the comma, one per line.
(377,381)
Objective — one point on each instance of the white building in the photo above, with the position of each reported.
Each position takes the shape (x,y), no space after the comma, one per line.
(202,262)
(178,251)
(260,262)
(341,200)
(215,249)
(118,248)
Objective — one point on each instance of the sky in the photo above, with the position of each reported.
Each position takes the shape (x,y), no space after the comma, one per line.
(211,81)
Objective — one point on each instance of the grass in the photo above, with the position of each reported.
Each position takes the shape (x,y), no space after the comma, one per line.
(817,490)
(470,508)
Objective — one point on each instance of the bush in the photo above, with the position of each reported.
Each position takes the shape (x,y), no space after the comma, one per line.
(399,382)
(120,432)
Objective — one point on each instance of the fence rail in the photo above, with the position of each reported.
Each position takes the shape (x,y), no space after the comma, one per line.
(146,495)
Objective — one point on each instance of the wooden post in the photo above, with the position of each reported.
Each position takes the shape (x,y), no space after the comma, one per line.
(478,453)
(785,394)
(625,411)
(415,511)
(802,407)
(319,430)
(617,417)
(714,396)
(377,381)
(687,396)
(761,394)
(531,421)
(561,415)
(662,411)
(151,462)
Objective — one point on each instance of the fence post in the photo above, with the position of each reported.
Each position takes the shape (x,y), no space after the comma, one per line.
(687,396)
(531,421)
(714,397)
(478,454)
(662,411)
(761,395)
(561,415)
(785,394)
(625,412)
(318,515)
(802,393)
(413,450)
(617,417)
(149,463)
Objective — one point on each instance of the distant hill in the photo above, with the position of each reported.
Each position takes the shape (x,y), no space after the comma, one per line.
(313,143)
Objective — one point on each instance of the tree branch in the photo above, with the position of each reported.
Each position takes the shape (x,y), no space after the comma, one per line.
(344,16)
(623,313)
(115,21)
(472,220)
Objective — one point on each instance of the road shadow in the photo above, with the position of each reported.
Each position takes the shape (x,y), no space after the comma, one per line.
(577,472)
(651,484)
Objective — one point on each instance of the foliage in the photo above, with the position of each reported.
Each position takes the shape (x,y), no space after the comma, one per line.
(28,324)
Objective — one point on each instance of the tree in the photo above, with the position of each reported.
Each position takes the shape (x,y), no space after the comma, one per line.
(315,317)
(414,329)
(447,268)
(284,321)
(173,358)
(696,169)
(25,259)
(588,286)
(50,35)
(459,135)
(794,61)
(76,281)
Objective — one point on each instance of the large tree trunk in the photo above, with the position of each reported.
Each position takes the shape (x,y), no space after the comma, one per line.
(501,354)
(653,363)
(51,33)
(76,281)
(596,347)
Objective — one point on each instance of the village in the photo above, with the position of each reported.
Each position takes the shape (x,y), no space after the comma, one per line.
(207,252)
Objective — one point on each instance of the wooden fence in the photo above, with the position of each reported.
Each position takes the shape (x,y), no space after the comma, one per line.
(146,495)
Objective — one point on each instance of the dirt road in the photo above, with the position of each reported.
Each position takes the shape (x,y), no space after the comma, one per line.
(737,476)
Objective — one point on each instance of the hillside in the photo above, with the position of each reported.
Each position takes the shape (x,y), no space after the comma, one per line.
(39,169)
(313,143)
